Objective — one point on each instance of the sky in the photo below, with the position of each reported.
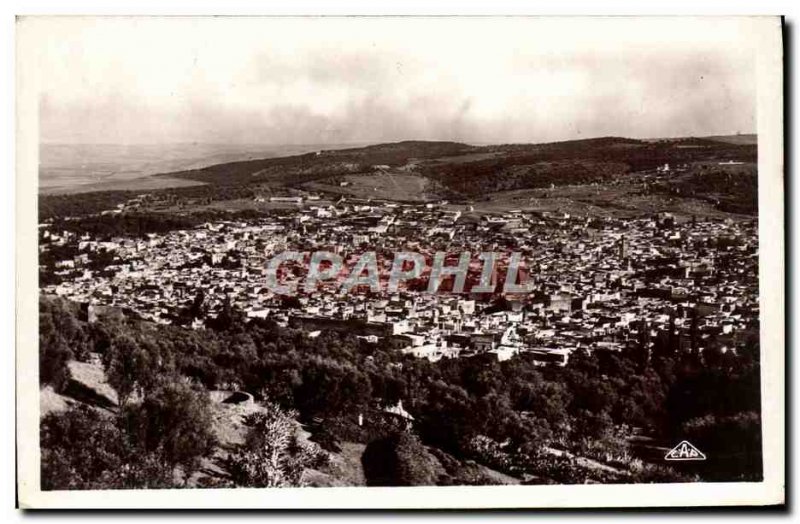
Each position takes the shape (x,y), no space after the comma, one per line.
(358,80)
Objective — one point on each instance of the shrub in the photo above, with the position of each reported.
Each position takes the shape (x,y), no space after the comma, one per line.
(84,449)
(174,421)
(399,460)
(272,455)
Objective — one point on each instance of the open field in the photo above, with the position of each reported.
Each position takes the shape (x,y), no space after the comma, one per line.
(745,139)
(146,183)
(381,186)
(234,205)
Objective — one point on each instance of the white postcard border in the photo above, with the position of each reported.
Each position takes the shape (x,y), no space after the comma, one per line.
(767,37)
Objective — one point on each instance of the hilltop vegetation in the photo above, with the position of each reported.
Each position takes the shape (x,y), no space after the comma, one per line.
(453,171)
(453,163)
(574,163)
(731,188)
(313,166)
(509,173)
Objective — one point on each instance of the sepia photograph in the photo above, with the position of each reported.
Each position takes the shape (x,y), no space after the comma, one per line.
(308,262)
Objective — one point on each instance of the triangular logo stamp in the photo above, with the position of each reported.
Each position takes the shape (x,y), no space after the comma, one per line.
(685,451)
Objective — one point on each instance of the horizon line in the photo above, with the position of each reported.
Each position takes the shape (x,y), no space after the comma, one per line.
(379,142)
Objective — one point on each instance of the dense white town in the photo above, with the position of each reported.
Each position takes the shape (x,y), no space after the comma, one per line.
(595,283)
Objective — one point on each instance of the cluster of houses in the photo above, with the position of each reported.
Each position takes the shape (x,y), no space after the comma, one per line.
(601,284)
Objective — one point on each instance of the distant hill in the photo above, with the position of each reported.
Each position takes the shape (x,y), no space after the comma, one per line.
(740,140)
(81,168)
(321,164)
(449,170)
(575,162)
(449,162)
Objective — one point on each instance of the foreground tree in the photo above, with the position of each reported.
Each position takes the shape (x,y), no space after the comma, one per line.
(128,367)
(272,455)
(173,420)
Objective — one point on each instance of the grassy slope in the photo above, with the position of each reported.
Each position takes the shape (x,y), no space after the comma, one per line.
(748,139)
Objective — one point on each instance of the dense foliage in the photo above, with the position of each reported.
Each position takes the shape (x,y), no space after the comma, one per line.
(141,224)
(399,459)
(519,417)
(139,446)
(85,449)
(731,188)
(71,205)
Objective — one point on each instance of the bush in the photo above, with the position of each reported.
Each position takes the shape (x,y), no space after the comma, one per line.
(127,367)
(85,449)
(272,456)
(399,460)
(174,421)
